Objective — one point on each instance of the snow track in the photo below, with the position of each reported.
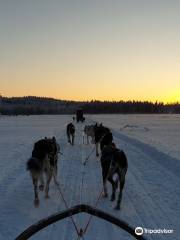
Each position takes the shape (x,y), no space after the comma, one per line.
(150,198)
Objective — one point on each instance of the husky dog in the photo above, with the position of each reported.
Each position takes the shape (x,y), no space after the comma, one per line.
(43,161)
(114,162)
(103,136)
(70,130)
(89,132)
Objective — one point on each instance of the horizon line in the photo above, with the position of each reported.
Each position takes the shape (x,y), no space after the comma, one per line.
(94,100)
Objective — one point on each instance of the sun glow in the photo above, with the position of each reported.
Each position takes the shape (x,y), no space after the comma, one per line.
(120,51)
(174,96)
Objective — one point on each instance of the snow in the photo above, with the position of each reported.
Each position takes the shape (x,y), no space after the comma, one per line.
(161,131)
(151,194)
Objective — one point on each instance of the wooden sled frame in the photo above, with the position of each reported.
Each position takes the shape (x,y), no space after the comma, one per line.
(73,211)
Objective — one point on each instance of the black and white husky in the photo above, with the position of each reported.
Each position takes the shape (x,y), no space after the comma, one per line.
(43,161)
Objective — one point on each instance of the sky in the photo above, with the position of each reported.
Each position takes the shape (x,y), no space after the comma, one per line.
(91,49)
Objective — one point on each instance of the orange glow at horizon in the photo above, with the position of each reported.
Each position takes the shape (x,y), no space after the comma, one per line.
(91,51)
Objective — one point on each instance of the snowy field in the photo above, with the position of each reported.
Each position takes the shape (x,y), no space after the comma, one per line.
(152,190)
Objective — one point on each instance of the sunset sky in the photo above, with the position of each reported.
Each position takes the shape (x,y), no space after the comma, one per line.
(91,49)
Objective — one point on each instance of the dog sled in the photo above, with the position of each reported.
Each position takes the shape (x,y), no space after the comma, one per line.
(82,208)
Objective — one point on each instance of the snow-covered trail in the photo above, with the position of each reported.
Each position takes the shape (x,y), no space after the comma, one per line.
(150,199)
(152,187)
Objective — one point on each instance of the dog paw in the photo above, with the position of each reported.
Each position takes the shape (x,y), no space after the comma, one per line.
(36,203)
(117,208)
(112,199)
(105,195)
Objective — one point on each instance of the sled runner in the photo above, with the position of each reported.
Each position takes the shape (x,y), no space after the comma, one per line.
(73,211)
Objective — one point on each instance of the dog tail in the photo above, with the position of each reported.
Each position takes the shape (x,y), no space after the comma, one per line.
(33,164)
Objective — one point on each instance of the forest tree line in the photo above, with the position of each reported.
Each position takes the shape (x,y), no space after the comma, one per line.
(42,105)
